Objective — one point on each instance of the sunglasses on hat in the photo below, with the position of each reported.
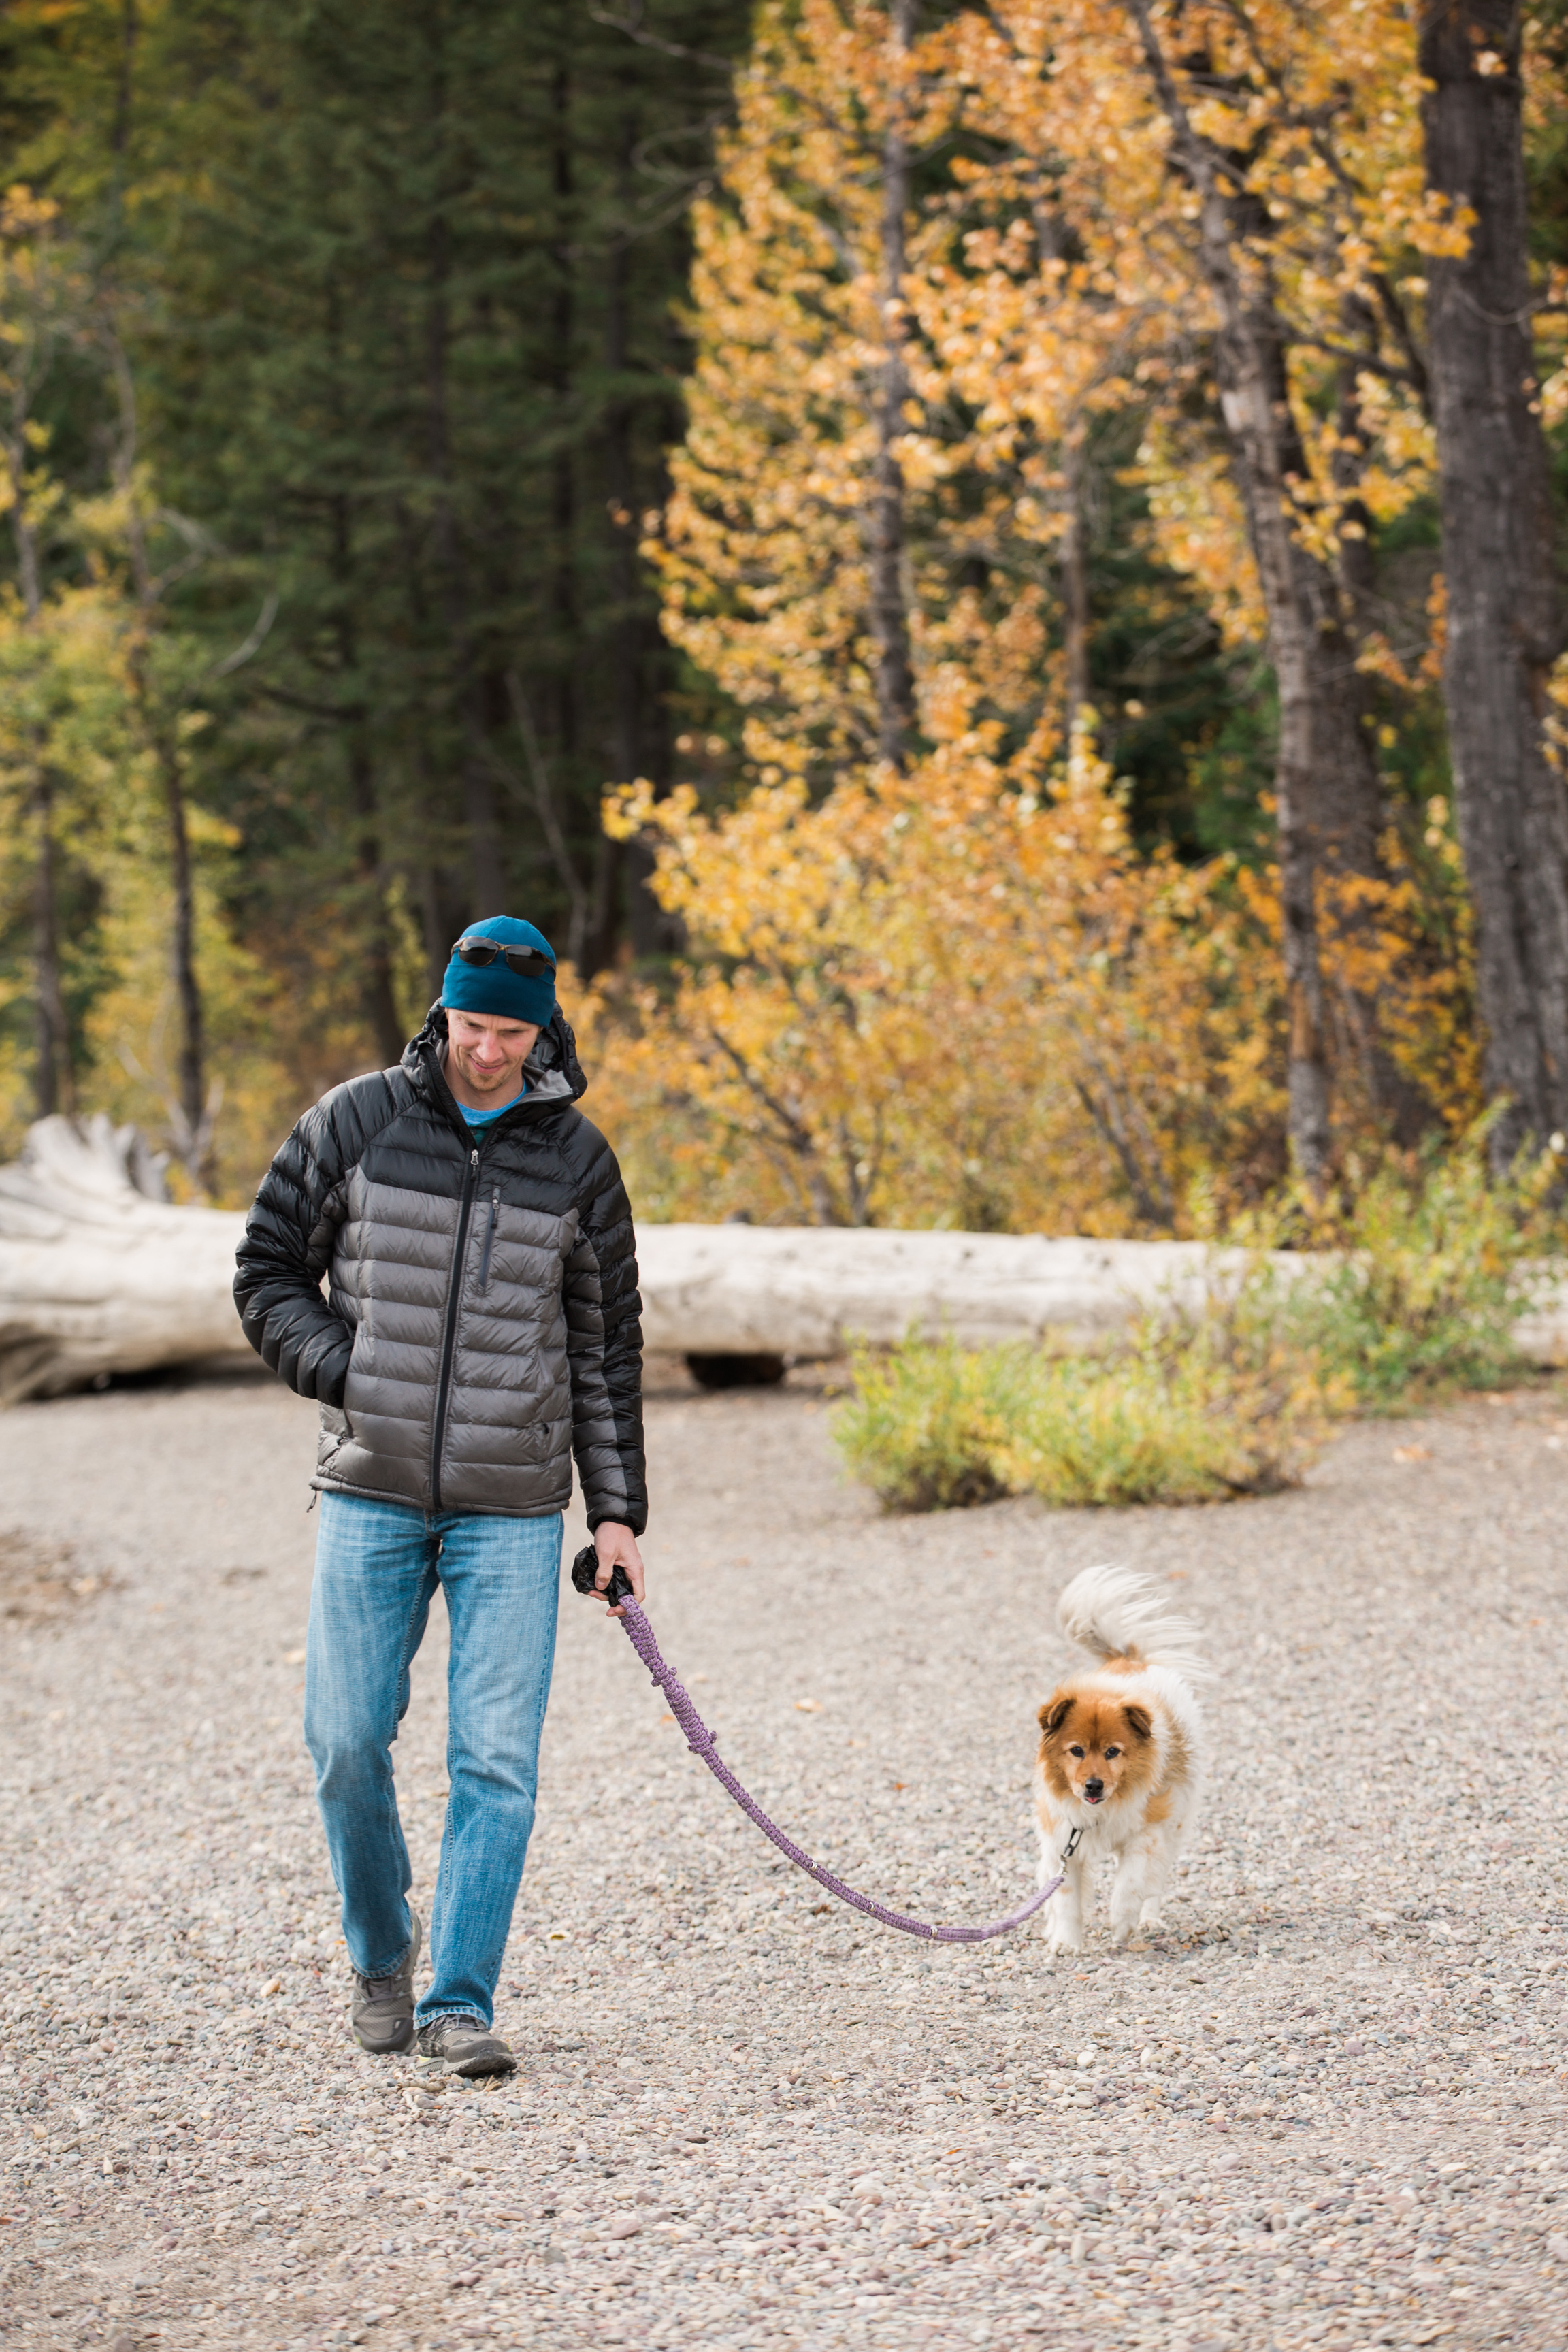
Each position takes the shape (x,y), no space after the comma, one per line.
(530,963)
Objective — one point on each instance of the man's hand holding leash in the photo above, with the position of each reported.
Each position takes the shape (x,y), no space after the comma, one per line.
(617,1548)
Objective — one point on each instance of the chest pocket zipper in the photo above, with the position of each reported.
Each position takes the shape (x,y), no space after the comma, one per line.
(490,1240)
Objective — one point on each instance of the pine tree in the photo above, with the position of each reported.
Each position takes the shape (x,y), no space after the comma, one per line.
(397,284)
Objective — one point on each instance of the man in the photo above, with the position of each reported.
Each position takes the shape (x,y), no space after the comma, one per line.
(481,1323)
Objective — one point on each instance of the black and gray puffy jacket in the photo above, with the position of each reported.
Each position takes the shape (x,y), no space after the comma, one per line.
(483,1315)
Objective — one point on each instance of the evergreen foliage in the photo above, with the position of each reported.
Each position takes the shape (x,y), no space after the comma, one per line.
(397,286)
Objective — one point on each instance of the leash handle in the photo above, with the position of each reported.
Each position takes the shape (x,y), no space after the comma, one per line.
(701,1740)
(584,1576)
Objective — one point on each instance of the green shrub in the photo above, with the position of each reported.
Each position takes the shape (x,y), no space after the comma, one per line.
(924,1423)
(1187,1412)
(1422,1275)
(1435,1268)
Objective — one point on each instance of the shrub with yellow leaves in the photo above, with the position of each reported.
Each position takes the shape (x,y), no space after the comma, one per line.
(940,999)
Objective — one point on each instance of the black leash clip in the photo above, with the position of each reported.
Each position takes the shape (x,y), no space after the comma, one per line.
(585,1574)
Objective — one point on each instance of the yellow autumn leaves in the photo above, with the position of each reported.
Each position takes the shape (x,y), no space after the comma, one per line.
(957,991)
(935,1000)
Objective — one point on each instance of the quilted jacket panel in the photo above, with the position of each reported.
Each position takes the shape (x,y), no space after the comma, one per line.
(482,1321)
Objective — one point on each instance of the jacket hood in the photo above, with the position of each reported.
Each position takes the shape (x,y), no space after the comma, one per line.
(552,1070)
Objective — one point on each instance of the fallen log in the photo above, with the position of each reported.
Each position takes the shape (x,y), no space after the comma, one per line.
(99,1275)
(812,1291)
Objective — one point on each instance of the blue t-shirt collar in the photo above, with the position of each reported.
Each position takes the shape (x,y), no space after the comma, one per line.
(483,1118)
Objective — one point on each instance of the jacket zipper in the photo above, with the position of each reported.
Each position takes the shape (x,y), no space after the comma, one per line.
(490,1240)
(454,1285)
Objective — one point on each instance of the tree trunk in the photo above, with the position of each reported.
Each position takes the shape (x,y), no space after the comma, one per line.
(377,989)
(52,1089)
(436,928)
(1358,573)
(1249,365)
(1075,593)
(625,709)
(1504,626)
(885,520)
(1329,797)
(188,1118)
(196,1139)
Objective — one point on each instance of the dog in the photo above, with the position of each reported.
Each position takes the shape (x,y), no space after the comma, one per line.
(1121,1753)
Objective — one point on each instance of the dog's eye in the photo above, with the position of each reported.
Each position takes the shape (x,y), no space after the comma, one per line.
(1110,1752)
(1075,1751)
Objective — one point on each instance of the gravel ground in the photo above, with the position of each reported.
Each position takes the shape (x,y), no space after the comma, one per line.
(1326,2107)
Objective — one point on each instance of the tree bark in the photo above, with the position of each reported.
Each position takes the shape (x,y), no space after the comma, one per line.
(1504,622)
(189,1123)
(53,1082)
(1328,795)
(1075,593)
(380,993)
(53,1088)
(193,1043)
(626,671)
(1250,368)
(884,518)
(377,989)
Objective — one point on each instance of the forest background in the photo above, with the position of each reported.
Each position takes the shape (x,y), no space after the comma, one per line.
(990,575)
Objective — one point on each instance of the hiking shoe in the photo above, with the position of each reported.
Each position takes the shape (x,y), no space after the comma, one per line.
(382,2012)
(463,2046)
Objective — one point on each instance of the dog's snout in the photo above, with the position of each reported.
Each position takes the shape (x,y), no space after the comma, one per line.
(1095,1788)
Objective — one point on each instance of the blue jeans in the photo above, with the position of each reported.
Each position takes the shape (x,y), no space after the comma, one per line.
(377,1567)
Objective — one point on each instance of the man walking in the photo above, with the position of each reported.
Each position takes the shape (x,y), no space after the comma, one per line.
(481,1324)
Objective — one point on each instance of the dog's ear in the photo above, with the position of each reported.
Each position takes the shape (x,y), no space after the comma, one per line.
(1054,1714)
(1140,1722)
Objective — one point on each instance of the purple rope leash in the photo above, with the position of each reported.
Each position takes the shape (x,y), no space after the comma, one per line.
(700,1739)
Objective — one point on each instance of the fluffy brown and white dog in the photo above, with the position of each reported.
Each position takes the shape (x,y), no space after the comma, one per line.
(1122,1754)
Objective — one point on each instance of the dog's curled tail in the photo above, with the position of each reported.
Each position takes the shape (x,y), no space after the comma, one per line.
(1117,1613)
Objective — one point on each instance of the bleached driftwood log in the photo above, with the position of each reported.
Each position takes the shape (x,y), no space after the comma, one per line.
(97,1276)
(810,1290)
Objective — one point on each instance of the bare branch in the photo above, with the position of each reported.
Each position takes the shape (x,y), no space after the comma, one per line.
(636,31)
(254,642)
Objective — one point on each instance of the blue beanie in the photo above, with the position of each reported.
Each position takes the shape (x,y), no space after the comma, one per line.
(495,988)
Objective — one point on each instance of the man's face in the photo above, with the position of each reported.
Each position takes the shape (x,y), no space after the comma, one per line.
(485,1057)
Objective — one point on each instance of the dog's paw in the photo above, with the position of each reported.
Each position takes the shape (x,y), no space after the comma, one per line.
(1063,1939)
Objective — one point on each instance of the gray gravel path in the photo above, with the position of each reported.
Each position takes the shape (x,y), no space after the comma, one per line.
(1326,2109)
